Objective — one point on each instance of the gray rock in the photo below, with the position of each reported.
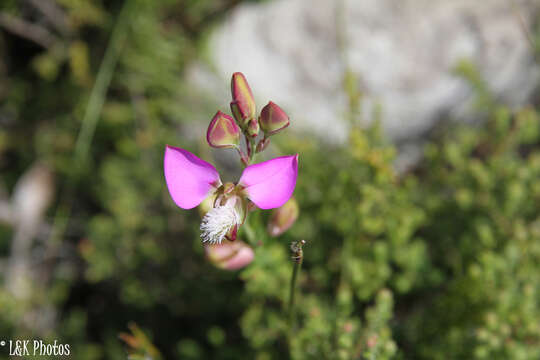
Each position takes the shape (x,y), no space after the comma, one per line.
(403,52)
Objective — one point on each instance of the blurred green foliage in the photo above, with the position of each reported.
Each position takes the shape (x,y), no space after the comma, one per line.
(441,262)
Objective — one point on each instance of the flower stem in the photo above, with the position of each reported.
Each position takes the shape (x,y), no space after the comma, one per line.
(92,112)
(298,257)
(248,146)
(292,290)
(250,234)
(101,85)
(243,157)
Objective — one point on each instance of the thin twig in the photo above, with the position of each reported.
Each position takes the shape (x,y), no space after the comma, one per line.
(349,79)
(250,234)
(53,13)
(103,80)
(296,269)
(27,30)
(91,116)
(523,25)
(298,257)
(248,146)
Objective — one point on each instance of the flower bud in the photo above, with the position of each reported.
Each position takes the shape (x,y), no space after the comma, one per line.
(237,114)
(253,128)
(243,104)
(273,119)
(230,255)
(223,131)
(283,218)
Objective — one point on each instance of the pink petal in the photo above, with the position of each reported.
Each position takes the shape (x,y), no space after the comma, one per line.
(271,183)
(189,179)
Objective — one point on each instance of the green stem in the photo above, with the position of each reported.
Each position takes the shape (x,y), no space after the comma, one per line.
(253,159)
(250,234)
(292,291)
(251,148)
(91,117)
(103,80)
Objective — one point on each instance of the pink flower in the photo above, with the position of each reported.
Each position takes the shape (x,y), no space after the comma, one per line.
(190,180)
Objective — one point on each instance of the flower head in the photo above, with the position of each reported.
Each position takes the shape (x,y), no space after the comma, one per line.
(190,180)
(224,207)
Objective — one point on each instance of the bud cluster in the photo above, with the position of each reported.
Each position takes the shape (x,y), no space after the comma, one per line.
(226,132)
(224,206)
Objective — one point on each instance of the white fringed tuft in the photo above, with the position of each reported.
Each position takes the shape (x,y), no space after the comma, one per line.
(217,223)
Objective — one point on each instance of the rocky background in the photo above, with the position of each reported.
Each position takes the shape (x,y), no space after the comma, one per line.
(403,54)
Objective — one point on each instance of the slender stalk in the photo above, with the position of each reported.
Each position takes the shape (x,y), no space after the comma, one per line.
(252,146)
(248,145)
(91,117)
(250,234)
(103,80)
(37,34)
(243,157)
(298,257)
(523,25)
(292,290)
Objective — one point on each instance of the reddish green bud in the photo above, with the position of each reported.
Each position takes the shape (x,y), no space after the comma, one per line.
(236,113)
(283,217)
(223,131)
(253,128)
(273,119)
(243,104)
